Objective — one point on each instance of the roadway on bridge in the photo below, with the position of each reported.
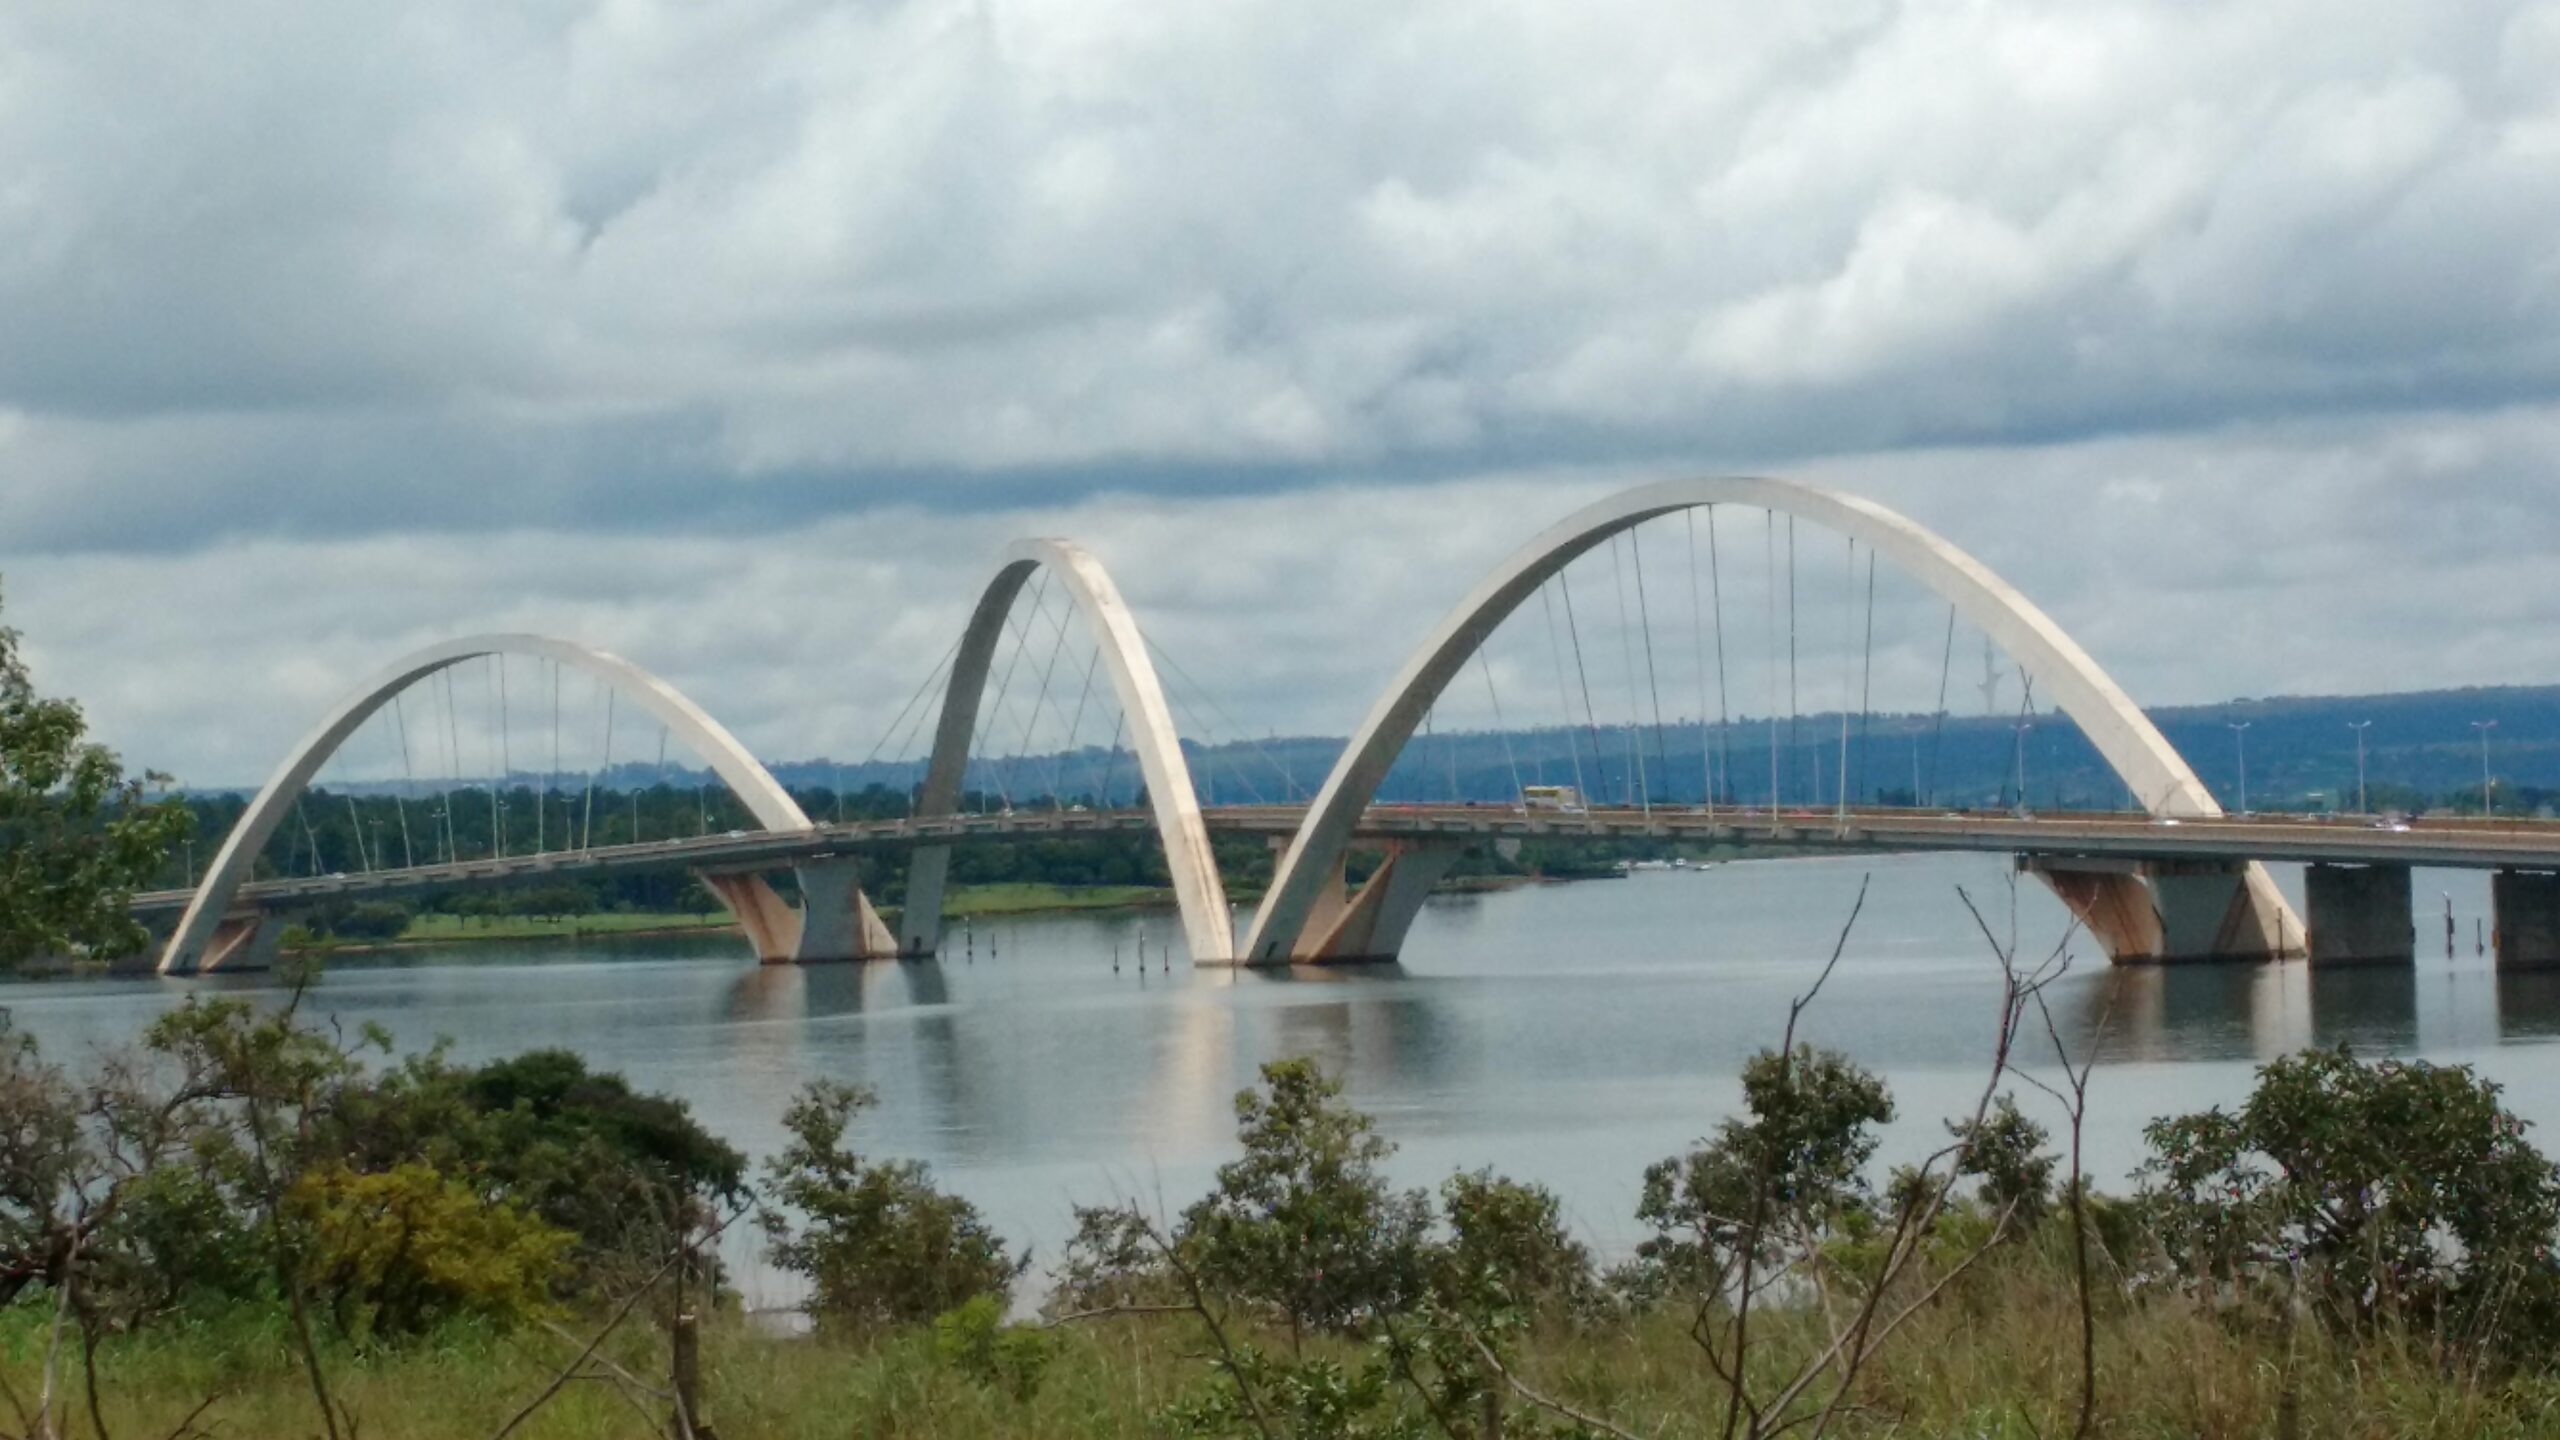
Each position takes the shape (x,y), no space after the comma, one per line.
(2452,844)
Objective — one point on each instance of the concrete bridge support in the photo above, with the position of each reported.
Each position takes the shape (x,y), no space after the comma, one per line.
(920,919)
(244,942)
(1372,923)
(2150,912)
(2361,914)
(834,920)
(2527,906)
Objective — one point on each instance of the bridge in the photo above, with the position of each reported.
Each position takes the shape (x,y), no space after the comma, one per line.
(2176,880)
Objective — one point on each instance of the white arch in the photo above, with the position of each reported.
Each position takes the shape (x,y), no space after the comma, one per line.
(1207,924)
(764,797)
(2123,736)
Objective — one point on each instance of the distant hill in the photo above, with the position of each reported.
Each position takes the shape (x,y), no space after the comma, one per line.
(2422,750)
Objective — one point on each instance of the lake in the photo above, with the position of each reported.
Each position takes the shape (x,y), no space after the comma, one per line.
(1568,1034)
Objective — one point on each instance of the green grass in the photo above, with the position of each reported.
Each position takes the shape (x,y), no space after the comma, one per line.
(438,927)
(1997,1359)
(1027,897)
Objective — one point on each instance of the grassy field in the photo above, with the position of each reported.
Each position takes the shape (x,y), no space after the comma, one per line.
(438,928)
(1998,1360)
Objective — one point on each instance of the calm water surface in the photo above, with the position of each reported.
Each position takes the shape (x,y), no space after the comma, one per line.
(1567,1034)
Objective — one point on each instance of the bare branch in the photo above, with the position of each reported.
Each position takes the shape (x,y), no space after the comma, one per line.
(570,1371)
(1552,1406)
(1113,1312)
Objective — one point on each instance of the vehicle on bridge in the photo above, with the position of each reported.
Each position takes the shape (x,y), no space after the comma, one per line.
(1563,798)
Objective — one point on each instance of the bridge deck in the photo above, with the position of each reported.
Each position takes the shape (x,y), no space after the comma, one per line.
(2453,844)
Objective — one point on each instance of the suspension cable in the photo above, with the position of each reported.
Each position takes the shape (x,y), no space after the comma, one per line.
(355,822)
(1635,708)
(551,782)
(453,757)
(992,766)
(1698,648)
(1113,768)
(1075,726)
(506,718)
(912,701)
(1724,711)
(308,833)
(1938,733)
(1209,745)
(660,785)
(1288,781)
(1773,661)
(495,692)
(1794,705)
(1582,673)
(1867,677)
(1564,697)
(1040,699)
(1508,759)
(409,779)
(1848,662)
(1653,685)
(987,722)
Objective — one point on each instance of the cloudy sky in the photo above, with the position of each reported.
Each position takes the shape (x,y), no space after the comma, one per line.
(738,338)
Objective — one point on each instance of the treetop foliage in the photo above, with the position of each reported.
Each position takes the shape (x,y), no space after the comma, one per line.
(77,837)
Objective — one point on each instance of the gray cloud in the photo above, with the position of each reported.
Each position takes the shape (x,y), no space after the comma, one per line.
(739,337)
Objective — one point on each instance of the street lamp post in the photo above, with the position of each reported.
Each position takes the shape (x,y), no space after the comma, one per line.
(2488,791)
(2363,806)
(2240,738)
(2021,729)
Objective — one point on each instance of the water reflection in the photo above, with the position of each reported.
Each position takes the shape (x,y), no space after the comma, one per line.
(2194,1012)
(2528,1003)
(1569,1034)
(2371,1009)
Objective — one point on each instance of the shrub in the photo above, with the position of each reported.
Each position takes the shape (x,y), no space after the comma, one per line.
(1792,1167)
(2397,1190)
(974,1340)
(1508,1247)
(878,1244)
(1304,1224)
(395,1252)
(623,1170)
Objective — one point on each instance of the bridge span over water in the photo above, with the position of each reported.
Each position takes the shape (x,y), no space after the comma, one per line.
(2175,881)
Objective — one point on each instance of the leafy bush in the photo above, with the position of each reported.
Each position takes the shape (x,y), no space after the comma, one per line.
(396,1252)
(878,1244)
(1508,1248)
(1304,1224)
(626,1172)
(2396,1190)
(975,1340)
(1790,1169)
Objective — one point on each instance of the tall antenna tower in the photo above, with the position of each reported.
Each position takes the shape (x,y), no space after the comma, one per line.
(1991,676)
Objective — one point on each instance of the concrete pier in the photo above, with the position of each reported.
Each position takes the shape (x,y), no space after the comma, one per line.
(2160,912)
(2361,914)
(834,920)
(2527,904)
